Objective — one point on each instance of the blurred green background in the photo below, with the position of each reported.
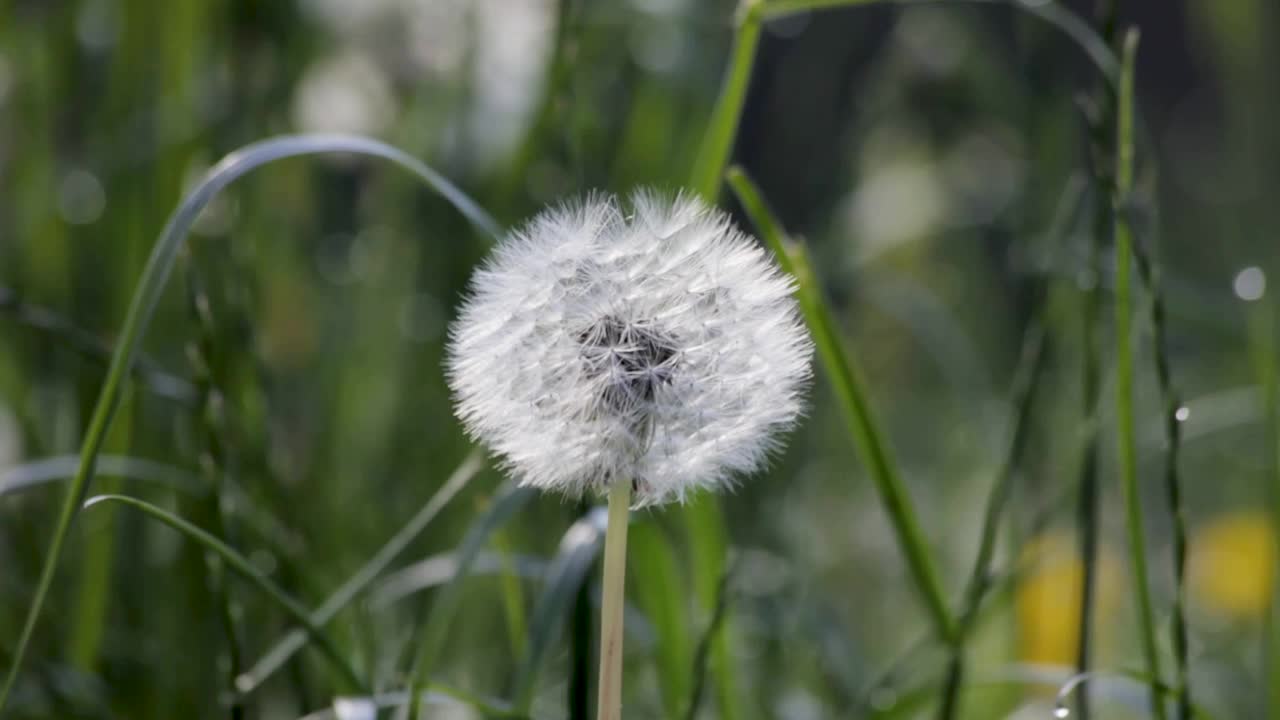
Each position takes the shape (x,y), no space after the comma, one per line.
(937,157)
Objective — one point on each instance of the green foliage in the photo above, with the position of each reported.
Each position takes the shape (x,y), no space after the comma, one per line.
(287,520)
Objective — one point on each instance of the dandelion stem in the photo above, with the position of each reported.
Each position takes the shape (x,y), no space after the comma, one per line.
(614,583)
(1124,370)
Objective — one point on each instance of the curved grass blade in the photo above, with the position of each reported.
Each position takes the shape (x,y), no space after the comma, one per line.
(509,501)
(147,297)
(1156,688)
(20,478)
(722,129)
(439,569)
(574,559)
(352,707)
(1050,11)
(284,648)
(245,569)
(1121,687)
(846,379)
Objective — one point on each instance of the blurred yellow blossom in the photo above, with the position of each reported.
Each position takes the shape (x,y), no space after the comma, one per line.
(1048,598)
(1231,564)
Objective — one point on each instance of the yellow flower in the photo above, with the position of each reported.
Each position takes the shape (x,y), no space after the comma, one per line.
(1047,604)
(1231,564)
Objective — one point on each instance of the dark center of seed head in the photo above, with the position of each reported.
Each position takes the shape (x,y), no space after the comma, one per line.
(632,358)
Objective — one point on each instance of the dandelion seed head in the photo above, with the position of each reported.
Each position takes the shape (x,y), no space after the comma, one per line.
(650,343)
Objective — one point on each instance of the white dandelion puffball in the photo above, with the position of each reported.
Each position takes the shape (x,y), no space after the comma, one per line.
(659,346)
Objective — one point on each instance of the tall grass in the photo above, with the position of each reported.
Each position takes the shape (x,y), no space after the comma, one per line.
(784,599)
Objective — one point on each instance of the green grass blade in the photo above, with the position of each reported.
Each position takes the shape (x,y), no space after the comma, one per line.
(285,648)
(1262,346)
(147,296)
(1119,687)
(436,693)
(508,502)
(848,387)
(1171,404)
(1125,433)
(245,569)
(709,545)
(726,115)
(437,570)
(28,476)
(722,129)
(661,593)
(1050,11)
(148,372)
(512,594)
(568,570)
(1026,382)
(702,655)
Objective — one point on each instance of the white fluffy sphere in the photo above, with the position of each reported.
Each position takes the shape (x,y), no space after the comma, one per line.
(653,344)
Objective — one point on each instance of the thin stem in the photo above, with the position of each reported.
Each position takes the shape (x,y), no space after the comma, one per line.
(1262,341)
(1087,500)
(1124,370)
(1101,138)
(614,583)
(1026,381)
(213,462)
(355,585)
(1172,403)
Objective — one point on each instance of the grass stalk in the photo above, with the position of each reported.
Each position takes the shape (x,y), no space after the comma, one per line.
(609,706)
(1026,382)
(1099,121)
(1262,341)
(702,655)
(722,129)
(1063,19)
(1125,433)
(240,565)
(147,297)
(848,386)
(213,462)
(359,581)
(1087,499)
(1171,403)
